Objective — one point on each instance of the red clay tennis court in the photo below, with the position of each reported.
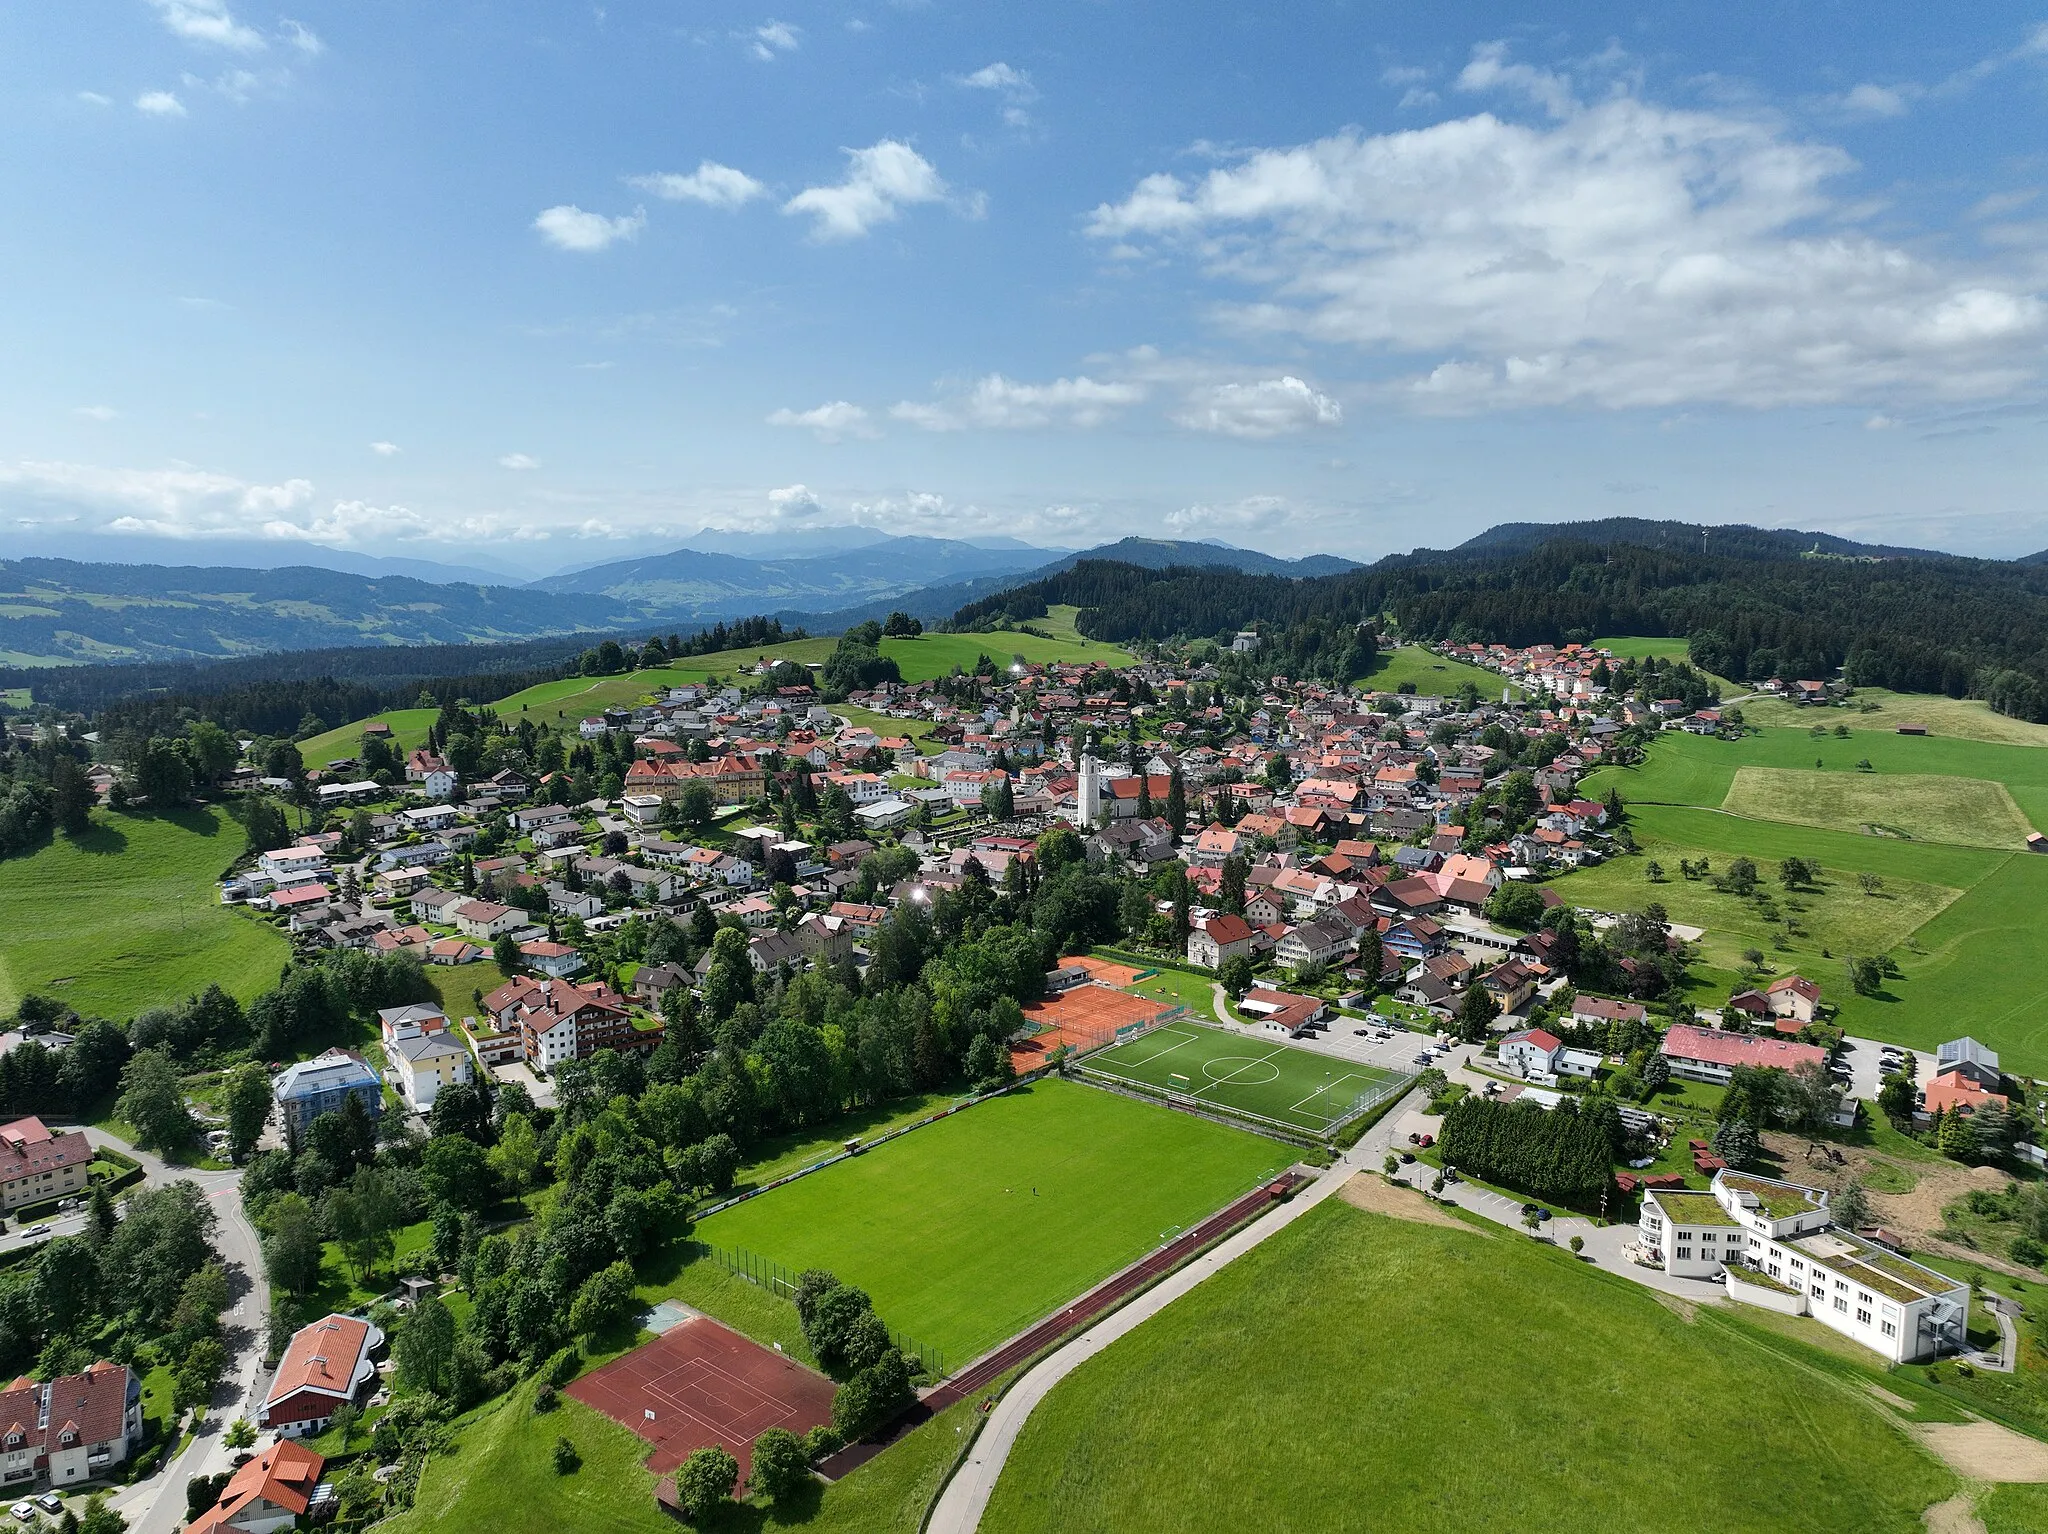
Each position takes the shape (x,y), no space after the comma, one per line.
(700,1383)
(1102,971)
(1081,1017)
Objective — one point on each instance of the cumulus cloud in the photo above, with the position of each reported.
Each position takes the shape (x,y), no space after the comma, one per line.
(719,186)
(518,461)
(771,38)
(792,505)
(180,501)
(1252,514)
(1614,252)
(385,449)
(1013,85)
(881,181)
(1272,407)
(568,227)
(208,22)
(1004,404)
(159,104)
(830,422)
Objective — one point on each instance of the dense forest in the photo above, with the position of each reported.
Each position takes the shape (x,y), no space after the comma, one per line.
(1752,604)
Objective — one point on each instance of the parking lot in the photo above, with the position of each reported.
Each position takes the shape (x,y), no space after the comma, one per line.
(1865,1059)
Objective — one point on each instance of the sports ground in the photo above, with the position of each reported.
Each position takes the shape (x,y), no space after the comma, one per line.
(970,1229)
(1293,1087)
(699,1384)
(1082,1017)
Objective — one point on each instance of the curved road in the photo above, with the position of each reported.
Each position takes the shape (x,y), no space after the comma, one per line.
(156,1505)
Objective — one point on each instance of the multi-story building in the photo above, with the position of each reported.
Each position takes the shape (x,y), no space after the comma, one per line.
(327,1365)
(75,1428)
(322,1084)
(38,1163)
(1774,1244)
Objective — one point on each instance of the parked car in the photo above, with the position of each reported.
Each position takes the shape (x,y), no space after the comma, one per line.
(25,1511)
(1407,1157)
(38,1230)
(50,1502)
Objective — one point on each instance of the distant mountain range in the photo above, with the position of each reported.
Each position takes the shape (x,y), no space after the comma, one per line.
(69,612)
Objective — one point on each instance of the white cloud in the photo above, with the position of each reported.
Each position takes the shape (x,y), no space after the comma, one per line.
(794,504)
(96,412)
(519,461)
(1998,204)
(303,38)
(180,501)
(568,227)
(208,21)
(1881,423)
(773,37)
(1003,404)
(831,422)
(1252,514)
(718,185)
(881,181)
(1869,100)
(386,449)
(95,99)
(1272,407)
(159,104)
(1619,254)
(1013,85)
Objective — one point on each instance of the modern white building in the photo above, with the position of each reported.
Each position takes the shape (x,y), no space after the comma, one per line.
(1775,1244)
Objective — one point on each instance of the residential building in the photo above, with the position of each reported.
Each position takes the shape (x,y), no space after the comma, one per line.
(327,1365)
(1711,1054)
(424,1054)
(1510,984)
(484,920)
(1281,1011)
(1314,942)
(1794,997)
(1966,1057)
(38,1163)
(76,1428)
(1530,1052)
(321,1085)
(1219,938)
(269,1493)
(1598,1009)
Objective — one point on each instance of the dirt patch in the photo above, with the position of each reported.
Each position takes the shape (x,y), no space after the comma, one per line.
(1895,1402)
(1376,1194)
(1686,1310)
(1958,1515)
(1984,1451)
(1915,1215)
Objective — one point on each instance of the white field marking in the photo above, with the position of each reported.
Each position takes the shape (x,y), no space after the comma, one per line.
(1180,1041)
(1328,1118)
(1249,1061)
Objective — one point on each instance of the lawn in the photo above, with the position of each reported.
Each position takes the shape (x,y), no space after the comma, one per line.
(1969,812)
(1529,1393)
(127,917)
(967,1231)
(339,1290)
(1963,718)
(1268,1080)
(1179,988)
(1432,674)
(780,1155)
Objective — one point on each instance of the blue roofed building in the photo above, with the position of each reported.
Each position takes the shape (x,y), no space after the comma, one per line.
(322,1085)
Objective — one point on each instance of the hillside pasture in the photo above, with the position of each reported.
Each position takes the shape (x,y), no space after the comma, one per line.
(1947,718)
(408,729)
(966,1231)
(1268,1398)
(1969,812)
(1434,675)
(127,916)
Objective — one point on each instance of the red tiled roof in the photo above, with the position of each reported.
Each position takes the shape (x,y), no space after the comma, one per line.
(28,1147)
(1712,1046)
(283,1474)
(321,1357)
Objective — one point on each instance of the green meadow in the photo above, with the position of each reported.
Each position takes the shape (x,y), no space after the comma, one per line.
(1433,675)
(127,916)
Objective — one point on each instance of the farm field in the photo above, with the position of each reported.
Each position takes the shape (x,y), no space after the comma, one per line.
(1432,674)
(1959,921)
(1959,718)
(127,917)
(1513,1420)
(1968,812)
(1294,1087)
(966,1231)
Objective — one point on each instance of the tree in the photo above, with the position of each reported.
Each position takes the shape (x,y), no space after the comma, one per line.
(1851,1207)
(152,1101)
(198,1374)
(426,1346)
(291,1244)
(1654,871)
(705,1482)
(1516,905)
(1956,1136)
(1476,1014)
(1577,1244)
(1896,1099)
(1391,1165)
(516,1156)
(240,1434)
(567,1461)
(200,1303)
(1235,975)
(1176,805)
(1866,975)
(346,1416)
(781,1467)
(1736,1142)
(457,1171)
(1869,882)
(695,807)
(98,1518)
(604,1300)
(505,954)
(247,1099)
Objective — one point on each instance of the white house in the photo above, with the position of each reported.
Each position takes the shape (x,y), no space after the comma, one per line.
(1531,1053)
(293,865)
(486,919)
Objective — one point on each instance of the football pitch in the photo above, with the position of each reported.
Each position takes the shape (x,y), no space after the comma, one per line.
(1271,1081)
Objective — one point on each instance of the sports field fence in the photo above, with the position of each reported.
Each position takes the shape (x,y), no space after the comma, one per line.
(777,1279)
(1195,1102)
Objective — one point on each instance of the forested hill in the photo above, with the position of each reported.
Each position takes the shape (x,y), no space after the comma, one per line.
(1759,604)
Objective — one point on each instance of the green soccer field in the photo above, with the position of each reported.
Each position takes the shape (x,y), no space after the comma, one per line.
(1289,1086)
(967,1231)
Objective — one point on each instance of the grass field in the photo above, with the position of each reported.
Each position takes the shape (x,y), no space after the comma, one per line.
(1960,718)
(1642,647)
(127,917)
(1432,674)
(1958,920)
(408,727)
(1970,812)
(965,1232)
(1358,1372)
(1268,1080)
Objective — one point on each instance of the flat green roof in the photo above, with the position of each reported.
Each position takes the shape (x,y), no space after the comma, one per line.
(1778,1200)
(1685,1207)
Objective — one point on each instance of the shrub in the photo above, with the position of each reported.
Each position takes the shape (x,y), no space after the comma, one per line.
(705,1482)
(567,1460)
(562,1367)
(821,1441)
(545,1399)
(780,1465)
(2028,1252)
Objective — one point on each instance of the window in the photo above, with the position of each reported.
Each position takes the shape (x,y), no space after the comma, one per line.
(1890,1329)
(1820,1291)
(1841,1304)
(1863,1318)
(1685,1254)
(1864,1299)
(1773,1271)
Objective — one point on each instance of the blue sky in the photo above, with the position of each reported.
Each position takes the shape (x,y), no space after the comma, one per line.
(556,282)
